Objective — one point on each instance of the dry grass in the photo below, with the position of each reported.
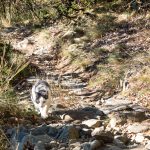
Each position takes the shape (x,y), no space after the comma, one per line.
(139,86)
(4,142)
(107,79)
(11,65)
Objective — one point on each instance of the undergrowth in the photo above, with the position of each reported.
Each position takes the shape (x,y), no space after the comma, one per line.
(11,65)
(43,12)
(35,11)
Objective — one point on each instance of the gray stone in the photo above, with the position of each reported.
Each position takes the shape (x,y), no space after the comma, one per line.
(119,143)
(73,48)
(81,39)
(105,136)
(53,144)
(39,146)
(111,147)
(77,148)
(98,102)
(113,122)
(67,118)
(62,148)
(135,115)
(63,145)
(85,132)
(138,147)
(44,129)
(96,144)
(97,131)
(52,131)
(38,141)
(113,104)
(67,133)
(139,138)
(122,138)
(74,144)
(69,34)
(41,130)
(147,146)
(86,146)
(92,123)
(116,118)
(137,128)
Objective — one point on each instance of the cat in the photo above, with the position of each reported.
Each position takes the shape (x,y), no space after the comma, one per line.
(40,96)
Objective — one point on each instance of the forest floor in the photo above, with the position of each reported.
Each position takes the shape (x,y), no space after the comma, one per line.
(98,67)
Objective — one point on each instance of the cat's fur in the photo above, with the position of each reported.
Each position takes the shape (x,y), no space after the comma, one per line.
(40,97)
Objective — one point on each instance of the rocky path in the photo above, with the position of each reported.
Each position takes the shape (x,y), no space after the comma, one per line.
(81,121)
(79,118)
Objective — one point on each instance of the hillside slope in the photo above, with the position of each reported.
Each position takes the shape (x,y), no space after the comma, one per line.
(97,61)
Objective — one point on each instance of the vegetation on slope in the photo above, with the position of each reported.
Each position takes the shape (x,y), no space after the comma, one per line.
(92,21)
(12,66)
(42,12)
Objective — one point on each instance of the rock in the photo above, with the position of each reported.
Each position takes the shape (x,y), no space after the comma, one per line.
(52,131)
(113,104)
(77,148)
(44,129)
(41,130)
(23,44)
(86,146)
(135,115)
(73,133)
(77,122)
(111,147)
(98,102)
(105,136)
(53,144)
(139,138)
(58,107)
(62,148)
(51,148)
(96,144)
(116,119)
(113,122)
(74,144)
(147,146)
(67,118)
(21,133)
(38,141)
(73,141)
(122,138)
(67,133)
(92,123)
(137,128)
(39,146)
(138,147)
(69,34)
(78,40)
(81,39)
(119,143)
(97,131)
(73,48)
(86,132)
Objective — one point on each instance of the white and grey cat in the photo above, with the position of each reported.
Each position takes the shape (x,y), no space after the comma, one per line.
(40,97)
